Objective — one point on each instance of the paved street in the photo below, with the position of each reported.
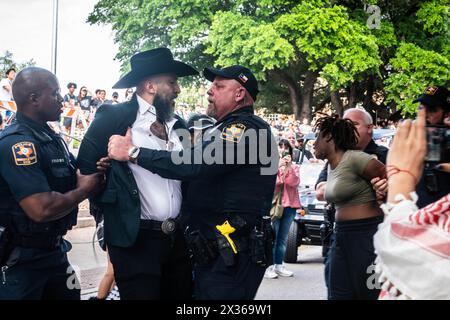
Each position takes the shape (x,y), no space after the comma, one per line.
(307,283)
(88,259)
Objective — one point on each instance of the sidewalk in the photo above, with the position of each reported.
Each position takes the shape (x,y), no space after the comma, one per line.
(89,260)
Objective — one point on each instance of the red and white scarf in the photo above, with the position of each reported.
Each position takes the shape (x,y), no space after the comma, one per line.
(413,248)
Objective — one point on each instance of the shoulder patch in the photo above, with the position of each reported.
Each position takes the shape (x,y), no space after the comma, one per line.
(233,132)
(24,153)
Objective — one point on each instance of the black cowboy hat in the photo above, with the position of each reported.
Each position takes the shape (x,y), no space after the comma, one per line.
(151,62)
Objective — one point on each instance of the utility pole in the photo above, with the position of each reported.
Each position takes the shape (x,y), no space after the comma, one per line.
(55,35)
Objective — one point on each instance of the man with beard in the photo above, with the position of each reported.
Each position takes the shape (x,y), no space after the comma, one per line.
(39,195)
(231,176)
(149,255)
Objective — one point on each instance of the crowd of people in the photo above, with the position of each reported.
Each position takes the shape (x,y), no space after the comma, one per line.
(199,209)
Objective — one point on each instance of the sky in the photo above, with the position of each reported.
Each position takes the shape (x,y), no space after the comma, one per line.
(85,52)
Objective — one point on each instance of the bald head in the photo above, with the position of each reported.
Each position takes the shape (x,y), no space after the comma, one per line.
(31,81)
(365,117)
(363,123)
(37,95)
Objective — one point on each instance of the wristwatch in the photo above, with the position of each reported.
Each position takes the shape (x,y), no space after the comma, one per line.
(133,154)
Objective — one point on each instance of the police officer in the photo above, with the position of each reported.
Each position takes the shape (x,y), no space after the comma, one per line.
(434,182)
(231,182)
(39,195)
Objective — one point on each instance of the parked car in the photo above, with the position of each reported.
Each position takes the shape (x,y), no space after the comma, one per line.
(311,225)
(383,136)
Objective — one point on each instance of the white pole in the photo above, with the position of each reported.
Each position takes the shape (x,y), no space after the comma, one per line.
(55,35)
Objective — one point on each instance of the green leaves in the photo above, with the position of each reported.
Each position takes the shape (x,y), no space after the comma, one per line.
(434,16)
(332,43)
(236,39)
(414,69)
(283,40)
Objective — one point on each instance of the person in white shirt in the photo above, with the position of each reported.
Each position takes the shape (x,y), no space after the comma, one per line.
(145,242)
(6,91)
(6,84)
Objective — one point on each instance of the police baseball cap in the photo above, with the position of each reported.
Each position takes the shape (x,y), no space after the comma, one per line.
(435,96)
(239,73)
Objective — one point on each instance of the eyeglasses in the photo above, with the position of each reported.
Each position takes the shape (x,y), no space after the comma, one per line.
(83,90)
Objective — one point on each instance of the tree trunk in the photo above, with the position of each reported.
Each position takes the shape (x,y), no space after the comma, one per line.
(308,90)
(294,98)
(337,103)
(294,93)
(369,93)
(352,96)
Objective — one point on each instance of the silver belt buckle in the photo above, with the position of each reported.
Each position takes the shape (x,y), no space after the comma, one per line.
(168,226)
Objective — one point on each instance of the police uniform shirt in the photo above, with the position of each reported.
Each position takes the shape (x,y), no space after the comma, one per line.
(20,164)
(160,197)
(34,159)
(220,188)
(433,185)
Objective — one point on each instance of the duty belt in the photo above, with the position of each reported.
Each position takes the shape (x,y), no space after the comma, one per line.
(168,226)
(242,243)
(37,242)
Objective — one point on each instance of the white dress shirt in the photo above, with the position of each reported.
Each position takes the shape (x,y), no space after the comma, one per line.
(160,198)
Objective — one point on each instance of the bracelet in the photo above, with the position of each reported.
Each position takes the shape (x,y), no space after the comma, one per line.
(394,170)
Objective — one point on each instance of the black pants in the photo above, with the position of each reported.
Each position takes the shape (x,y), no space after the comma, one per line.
(349,260)
(216,281)
(326,263)
(156,267)
(40,275)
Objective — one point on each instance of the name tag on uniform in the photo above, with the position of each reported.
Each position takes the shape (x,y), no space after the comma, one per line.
(24,153)
(58,160)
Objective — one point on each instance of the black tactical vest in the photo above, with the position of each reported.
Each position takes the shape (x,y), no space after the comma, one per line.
(58,166)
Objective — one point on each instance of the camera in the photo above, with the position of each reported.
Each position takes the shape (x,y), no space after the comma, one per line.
(438,144)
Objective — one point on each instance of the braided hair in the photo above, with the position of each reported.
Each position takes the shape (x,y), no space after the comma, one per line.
(342,131)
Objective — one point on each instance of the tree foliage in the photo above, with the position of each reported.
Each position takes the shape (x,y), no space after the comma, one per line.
(7,62)
(295,47)
(414,69)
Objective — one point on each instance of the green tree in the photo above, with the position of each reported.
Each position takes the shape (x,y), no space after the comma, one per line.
(415,69)
(7,62)
(306,53)
(423,58)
